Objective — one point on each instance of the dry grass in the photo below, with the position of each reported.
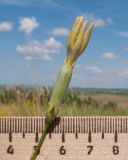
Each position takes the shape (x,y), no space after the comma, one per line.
(20,101)
(121,100)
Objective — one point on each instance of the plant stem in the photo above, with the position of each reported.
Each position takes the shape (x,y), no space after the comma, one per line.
(44,134)
(60,87)
(77,42)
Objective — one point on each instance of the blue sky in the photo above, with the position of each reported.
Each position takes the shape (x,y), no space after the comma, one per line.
(33,35)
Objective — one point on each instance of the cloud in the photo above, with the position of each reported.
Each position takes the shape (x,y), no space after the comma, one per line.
(36,50)
(98,22)
(91,69)
(110,56)
(123,34)
(6,26)
(123,73)
(60,32)
(28,24)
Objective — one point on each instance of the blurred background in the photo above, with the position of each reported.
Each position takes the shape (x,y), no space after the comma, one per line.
(33,36)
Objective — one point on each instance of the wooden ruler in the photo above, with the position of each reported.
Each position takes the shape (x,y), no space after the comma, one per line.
(68,138)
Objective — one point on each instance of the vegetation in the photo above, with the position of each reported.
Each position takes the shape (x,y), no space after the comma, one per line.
(33,101)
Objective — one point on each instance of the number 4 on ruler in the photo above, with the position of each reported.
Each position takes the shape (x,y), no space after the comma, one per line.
(10,149)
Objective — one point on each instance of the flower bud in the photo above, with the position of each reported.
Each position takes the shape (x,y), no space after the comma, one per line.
(78,39)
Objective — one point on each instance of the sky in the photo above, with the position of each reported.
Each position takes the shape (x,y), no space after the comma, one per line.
(33,35)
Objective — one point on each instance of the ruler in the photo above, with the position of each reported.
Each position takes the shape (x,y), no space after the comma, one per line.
(68,138)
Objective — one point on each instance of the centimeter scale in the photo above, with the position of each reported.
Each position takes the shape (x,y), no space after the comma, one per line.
(68,138)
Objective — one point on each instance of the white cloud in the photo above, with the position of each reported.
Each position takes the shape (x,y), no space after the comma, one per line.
(123,34)
(101,22)
(28,24)
(6,26)
(98,22)
(123,73)
(91,69)
(60,31)
(110,56)
(36,50)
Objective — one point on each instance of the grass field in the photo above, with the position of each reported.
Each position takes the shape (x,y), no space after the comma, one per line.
(32,101)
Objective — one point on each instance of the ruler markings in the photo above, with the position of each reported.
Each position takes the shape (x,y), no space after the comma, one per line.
(96,122)
(108,124)
(20,129)
(28,124)
(73,123)
(89,136)
(36,124)
(61,124)
(111,128)
(78,124)
(122,125)
(102,136)
(70,129)
(116,136)
(36,137)
(113,125)
(67,124)
(12,124)
(84,129)
(72,126)
(117,125)
(24,126)
(15,125)
(84,124)
(33,125)
(126,125)
(39,125)
(124,128)
(63,137)
(5,124)
(100,130)
(56,125)
(92,123)
(76,135)
(10,136)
